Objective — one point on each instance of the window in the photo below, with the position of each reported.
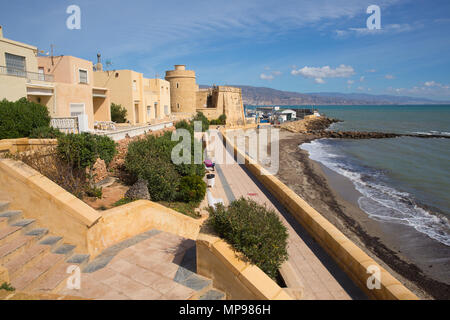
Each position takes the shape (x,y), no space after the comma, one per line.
(178,105)
(76,109)
(178,85)
(83,76)
(15,65)
(134,85)
(41,73)
(149,112)
(166,110)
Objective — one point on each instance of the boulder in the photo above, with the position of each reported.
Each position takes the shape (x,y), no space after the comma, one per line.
(138,191)
(99,171)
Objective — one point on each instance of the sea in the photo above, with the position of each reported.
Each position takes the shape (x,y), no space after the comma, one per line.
(403,180)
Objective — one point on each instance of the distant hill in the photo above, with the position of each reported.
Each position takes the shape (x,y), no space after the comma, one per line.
(268,96)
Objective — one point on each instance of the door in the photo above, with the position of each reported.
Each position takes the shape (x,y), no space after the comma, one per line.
(156,110)
(136,113)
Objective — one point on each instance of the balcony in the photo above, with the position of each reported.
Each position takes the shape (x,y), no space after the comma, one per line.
(25,74)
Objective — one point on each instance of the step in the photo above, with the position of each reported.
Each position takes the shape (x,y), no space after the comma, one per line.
(52,241)
(15,230)
(213,294)
(30,278)
(15,247)
(11,215)
(56,280)
(64,249)
(4,206)
(25,261)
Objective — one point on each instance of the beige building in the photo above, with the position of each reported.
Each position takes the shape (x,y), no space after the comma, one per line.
(20,75)
(146,100)
(75,92)
(187,98)
(64,84)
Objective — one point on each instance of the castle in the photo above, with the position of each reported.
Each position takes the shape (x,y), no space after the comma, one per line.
(187,98)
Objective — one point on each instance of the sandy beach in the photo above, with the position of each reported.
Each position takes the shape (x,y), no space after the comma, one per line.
(418,261)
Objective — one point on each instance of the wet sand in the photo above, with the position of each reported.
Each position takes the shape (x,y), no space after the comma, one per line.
(418,261)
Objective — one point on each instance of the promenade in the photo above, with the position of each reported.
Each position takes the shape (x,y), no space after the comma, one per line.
(314,270)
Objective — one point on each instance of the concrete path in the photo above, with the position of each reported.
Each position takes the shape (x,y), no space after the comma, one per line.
(153,265)
(320,276)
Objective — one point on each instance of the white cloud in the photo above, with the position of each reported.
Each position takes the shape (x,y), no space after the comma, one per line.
(371,70)
(389,76)
(360,88)
(264,76)
(320,73)
(432,84)
(361,79)
(271,75)
(390,28)
(350,81)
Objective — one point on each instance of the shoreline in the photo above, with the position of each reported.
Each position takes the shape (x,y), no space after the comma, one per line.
(333,195)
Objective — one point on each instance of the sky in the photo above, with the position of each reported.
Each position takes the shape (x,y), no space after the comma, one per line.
(303,46)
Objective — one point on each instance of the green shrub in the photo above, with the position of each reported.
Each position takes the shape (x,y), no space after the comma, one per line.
(45,133)
(82,150)
(192,189)
(201,117)
(95,192)
(7,286)
(253,230)
(219,121)
(150,159)
(118,113)
(18,119)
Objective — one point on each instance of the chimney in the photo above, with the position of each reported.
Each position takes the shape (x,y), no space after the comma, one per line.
(1,32)
(99,66)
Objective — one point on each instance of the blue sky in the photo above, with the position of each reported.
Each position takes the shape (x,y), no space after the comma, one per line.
(303,46)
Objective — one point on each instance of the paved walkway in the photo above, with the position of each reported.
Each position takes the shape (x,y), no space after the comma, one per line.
(152,265)
(321,278)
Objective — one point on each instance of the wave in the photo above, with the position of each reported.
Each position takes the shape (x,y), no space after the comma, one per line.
(380,201)
(432,132)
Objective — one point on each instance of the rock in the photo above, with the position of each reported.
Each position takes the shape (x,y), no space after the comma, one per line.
(138,191)
(99,171)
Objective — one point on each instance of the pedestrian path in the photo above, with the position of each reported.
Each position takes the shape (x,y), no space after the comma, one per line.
(320,276)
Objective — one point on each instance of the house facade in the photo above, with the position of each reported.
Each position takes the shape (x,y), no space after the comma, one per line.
(64,84)
(20,75)
(75,92)
(146,100)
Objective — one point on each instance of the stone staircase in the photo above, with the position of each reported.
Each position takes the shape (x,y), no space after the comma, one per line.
(36,261)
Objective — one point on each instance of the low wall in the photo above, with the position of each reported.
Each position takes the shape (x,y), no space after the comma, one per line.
(131,219)
(24,144)
(122,133)
(40,198)
(238,279)
(352,259)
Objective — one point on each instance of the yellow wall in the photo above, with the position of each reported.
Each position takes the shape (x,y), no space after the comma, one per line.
(183,89)
(53,207)
(238,279)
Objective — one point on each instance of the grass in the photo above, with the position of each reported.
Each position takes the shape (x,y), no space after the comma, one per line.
(122,202)
(7,286)
(182,207)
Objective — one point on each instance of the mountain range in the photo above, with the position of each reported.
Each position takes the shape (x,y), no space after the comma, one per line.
(268,96)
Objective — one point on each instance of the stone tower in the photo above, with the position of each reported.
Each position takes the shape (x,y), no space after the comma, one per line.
(183,89)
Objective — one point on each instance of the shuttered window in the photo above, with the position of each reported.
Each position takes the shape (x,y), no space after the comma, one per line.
(15,65)
(83,76)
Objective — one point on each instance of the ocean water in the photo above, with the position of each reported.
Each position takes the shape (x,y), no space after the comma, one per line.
(402,180)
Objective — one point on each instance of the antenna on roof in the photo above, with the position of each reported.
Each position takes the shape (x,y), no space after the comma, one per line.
(51,50)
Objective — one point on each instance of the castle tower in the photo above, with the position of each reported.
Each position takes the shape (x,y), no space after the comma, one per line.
(183,89)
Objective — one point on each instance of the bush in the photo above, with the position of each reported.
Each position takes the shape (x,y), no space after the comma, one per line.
(118,113)
(45,133)
(220,121)
(192,189)
(82,150)
(201,117)
(48,163)
(150,159)
(18,119)
(253,230)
